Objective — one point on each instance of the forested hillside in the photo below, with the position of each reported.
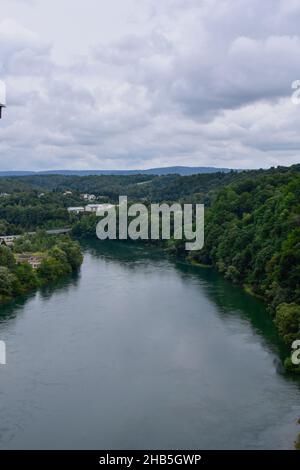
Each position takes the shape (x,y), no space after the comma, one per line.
(252,236)
(150,187)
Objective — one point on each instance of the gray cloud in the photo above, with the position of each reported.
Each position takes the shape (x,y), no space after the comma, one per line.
(194,82)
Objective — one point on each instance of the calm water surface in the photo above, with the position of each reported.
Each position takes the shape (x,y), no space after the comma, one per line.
(139,351)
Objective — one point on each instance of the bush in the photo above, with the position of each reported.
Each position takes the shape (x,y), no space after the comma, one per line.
(287,320)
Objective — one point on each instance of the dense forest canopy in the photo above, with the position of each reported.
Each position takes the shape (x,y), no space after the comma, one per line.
(158,188)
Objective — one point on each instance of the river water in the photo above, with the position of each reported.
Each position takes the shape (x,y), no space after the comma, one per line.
(141,351)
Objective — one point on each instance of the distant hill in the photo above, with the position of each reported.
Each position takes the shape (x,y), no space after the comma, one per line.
(16,173)
(170,170)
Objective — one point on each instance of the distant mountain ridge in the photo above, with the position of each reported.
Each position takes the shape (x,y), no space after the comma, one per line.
(170,170)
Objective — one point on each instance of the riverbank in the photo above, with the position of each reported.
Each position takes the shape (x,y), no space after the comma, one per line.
(245,287)
(35,261)
(284,316)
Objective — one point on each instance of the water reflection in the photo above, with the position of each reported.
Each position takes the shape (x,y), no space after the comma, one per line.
(230,299)
(12,309)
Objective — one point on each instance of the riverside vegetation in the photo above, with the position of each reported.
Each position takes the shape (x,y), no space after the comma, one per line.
(252,224)
(59,256)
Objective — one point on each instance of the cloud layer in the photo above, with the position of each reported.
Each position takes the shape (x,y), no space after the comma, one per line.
(194,82)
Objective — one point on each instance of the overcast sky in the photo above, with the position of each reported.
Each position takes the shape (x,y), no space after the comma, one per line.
(121,84)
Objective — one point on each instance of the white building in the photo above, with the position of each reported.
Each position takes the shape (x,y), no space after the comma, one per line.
(34,260)
(96,207)
(89,197)
(75,210)
(89,208)
(8,239)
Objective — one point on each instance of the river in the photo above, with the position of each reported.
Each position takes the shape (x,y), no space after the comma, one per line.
(141,351)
